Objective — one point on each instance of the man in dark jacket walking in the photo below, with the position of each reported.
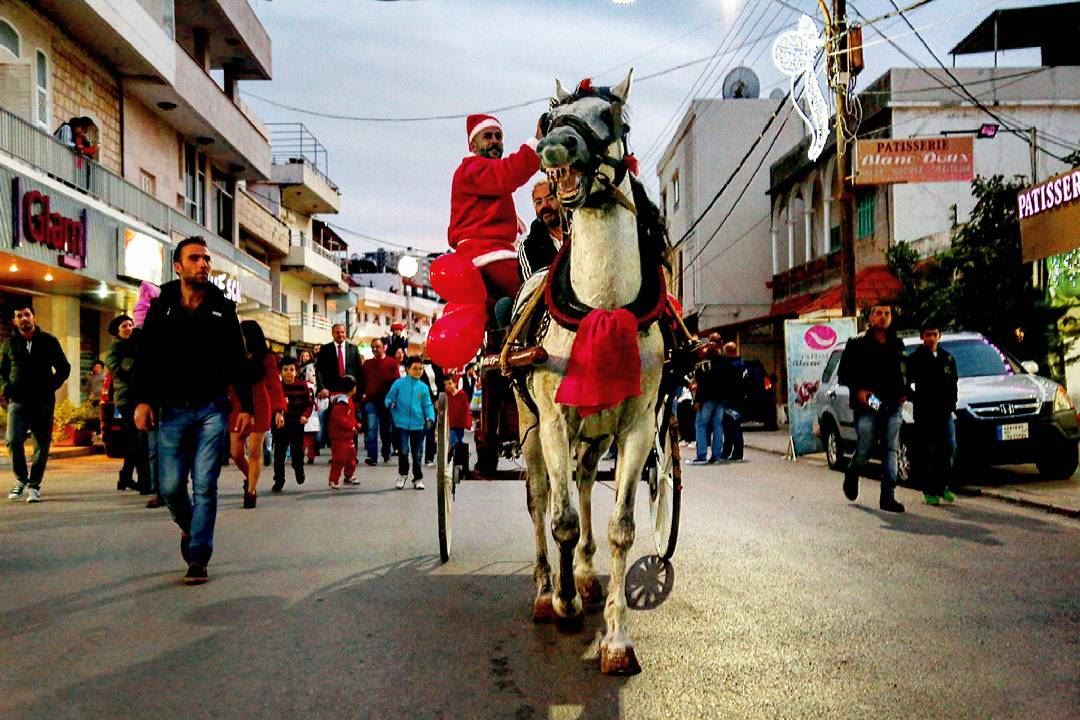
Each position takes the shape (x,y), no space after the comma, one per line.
(191,351)
(32,369)
(872,367)
(932,375)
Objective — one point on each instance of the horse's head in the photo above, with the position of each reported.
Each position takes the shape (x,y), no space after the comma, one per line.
(584,146)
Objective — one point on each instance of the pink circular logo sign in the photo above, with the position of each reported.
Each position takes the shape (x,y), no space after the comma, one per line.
(821,337)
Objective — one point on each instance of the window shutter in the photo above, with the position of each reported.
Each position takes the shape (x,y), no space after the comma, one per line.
(41,105)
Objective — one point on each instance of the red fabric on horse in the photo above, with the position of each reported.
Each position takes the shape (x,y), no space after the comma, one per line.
(605,363)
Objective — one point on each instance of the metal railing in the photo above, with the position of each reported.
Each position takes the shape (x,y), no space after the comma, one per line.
(311,320)
(298,238)
(293,142)
(41,150)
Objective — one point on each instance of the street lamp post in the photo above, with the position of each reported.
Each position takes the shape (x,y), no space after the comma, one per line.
(407,268)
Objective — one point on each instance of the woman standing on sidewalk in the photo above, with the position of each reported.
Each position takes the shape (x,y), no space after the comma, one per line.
(269,403)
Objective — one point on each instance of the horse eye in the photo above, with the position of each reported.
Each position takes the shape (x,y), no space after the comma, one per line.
(606,116)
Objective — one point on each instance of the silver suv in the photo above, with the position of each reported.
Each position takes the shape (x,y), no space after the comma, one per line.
(1005,413)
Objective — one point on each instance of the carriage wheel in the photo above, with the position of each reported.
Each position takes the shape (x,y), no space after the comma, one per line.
(664,477)
(444,473)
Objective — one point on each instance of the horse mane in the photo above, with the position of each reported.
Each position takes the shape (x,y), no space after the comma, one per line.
(652,230)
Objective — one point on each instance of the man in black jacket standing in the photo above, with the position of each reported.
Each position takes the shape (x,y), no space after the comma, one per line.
(932,374)
(32,369)
(335,360)
(191,351)
(872,367)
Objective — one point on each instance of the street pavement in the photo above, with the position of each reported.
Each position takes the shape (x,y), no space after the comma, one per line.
(783,600)
(1019,484)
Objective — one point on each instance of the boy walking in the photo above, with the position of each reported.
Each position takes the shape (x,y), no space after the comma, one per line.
(342,433)
(410,404)
(458,414)
(299,404)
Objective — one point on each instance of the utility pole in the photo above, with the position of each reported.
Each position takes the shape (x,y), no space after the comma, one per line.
(839,63)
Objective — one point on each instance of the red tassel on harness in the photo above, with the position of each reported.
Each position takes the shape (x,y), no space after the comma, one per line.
(631,164)
(604,368)
(585,85)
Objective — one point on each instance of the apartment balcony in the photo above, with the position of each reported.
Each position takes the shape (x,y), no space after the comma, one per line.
(262,225)
(276,326)
(300,168)
(309,328)
(200,110)
(43,153)
(135,36)
(808,277)
(312,262)
(232,33)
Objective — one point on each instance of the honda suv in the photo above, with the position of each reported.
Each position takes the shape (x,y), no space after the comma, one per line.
(1005,414)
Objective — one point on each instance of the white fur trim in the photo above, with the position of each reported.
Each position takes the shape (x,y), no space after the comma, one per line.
(494,256)
(484,125)
(532,142)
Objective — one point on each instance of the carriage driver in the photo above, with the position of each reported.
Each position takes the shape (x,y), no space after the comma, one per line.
(483,221)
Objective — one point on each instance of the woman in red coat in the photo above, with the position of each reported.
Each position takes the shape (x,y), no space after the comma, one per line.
(269,408)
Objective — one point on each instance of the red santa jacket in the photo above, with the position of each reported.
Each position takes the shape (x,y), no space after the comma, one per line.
(342,419)
(481,199)
(460,416)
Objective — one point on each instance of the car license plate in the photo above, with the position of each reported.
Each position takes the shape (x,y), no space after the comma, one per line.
(1015,431)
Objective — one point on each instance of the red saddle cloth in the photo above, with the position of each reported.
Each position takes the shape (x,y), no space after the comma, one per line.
(605,363)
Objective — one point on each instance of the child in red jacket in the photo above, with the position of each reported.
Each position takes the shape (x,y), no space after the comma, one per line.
(342,433)
(458,413)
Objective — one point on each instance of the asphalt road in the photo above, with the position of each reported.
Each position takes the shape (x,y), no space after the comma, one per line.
(782,601)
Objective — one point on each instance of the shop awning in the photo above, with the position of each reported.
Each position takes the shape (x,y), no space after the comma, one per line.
(872,284)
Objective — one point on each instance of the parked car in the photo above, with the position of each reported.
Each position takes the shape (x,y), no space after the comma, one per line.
(1005,413)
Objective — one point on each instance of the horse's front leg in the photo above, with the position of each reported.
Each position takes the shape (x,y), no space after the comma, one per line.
(565,526)
(538,496)
(616,651)
(585,579)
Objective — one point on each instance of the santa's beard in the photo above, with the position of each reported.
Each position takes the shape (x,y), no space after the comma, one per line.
(492,152)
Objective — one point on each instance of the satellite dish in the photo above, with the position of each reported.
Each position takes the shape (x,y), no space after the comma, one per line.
(741,83)
(777,94)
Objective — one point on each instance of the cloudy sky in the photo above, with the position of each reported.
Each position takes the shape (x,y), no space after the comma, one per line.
(423,58)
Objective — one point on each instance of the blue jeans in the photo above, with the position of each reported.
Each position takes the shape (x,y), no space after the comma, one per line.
(411,443)
(38,421)
(378,425)
(190,441)
(870,426)
(710,421)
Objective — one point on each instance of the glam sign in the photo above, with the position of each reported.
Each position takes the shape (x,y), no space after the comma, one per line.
(34,221)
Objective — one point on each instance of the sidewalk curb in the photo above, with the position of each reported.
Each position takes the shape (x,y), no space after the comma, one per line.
(974,491)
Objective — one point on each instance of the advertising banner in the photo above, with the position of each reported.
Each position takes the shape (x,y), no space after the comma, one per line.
(914,160)
(1050,216)
(142,257)
(808,344)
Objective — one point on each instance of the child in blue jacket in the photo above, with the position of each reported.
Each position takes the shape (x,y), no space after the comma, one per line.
(410,406)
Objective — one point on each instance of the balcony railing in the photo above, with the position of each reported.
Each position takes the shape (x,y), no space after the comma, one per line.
(44,152)
(311,320)
(293,142)
(302,239)
(805,277)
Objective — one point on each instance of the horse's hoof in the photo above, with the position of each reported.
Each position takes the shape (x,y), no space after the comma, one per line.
(590,589)
(618,660)
(543,609)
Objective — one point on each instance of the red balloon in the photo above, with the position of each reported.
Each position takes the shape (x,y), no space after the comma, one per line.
(457,280)
(455,337)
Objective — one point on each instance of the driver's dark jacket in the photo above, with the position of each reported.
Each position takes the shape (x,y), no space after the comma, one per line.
(187,359)
(934,380)
(537,250)
(878,367)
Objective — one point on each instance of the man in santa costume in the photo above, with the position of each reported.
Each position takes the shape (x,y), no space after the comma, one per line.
(483,221)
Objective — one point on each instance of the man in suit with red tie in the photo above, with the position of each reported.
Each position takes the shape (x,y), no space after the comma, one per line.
(336,360)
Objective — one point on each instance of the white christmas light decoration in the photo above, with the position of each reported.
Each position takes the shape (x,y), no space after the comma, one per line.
(794,54)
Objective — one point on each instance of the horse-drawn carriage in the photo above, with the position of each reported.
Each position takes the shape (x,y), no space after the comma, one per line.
(593,355)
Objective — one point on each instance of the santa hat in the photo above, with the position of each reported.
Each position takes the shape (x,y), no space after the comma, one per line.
(397,326)
(478,123)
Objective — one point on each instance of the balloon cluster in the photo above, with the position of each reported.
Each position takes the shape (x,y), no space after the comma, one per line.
(456,336)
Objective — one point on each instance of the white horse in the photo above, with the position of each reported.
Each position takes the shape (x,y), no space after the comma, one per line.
(612,264)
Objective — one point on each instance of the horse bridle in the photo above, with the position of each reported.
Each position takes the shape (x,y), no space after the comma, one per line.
(597,147)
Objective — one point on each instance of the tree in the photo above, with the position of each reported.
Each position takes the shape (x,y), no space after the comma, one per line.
(981,283)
